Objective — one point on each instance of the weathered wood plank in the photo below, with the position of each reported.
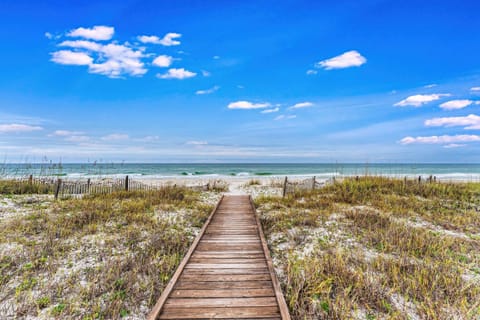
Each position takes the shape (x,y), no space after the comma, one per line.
(210,285)
(223,293)
(219,313)
(221,302)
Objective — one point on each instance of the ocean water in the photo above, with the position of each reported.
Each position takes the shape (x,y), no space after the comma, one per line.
(464,172)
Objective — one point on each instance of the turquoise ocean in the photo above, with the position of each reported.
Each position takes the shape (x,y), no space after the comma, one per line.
(465,172)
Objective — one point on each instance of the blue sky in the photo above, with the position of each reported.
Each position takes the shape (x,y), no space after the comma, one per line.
(240,81)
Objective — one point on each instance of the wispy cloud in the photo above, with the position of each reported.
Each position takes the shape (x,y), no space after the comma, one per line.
(174,73)
(207,91)
(475,89)
(248,105)
(18,128)
(71,58)
(445,139)
(454,145)
(470,122)
(345,60)
(271,110)
(115,137)
(302,105)
(196,143)
(163,61)
(420,99)
(95,33)
(456,104)
(284,117)
(168,40)
(77,138)
(206,73)
(311,72)
(65,133)
(433,85)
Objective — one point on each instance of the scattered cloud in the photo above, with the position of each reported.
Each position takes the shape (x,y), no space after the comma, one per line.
(48,35)
(150,138)
(71,58)
(216,57)
(271,110)
(475,89)
(440,139)
(208,91)
(284,117)
(470,122)
(163,61)
(174,73)
(167,40)
(302,105)
(345,60)
(433,85)
(240,86)
(112,60)
(95,33)
(115,137)
(197,143)
(312,72)
(248,105)
(456,104)
(420,99)
(206,73)
(18,128)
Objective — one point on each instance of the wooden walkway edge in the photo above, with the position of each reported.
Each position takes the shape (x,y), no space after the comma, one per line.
(227,273)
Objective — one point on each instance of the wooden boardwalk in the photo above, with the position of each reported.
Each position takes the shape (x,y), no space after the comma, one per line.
(227,273)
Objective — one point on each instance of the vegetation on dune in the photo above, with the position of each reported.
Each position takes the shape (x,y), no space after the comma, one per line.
(374,247)
(24,187)
(101,256)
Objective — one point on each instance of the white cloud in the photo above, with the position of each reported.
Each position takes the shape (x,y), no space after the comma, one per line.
(216,57)
(114,60)
(345,60)
(475,89)
(167,40)
(82,44)
(174,73)
(208,91)
(163,61)
(150,138)
(95,33)
(71,58)
(248,105)
(206,73)
(120,60)
(312,72)
(48,35)
(302,105)
(456,104)
(284,117)
(470,122)
(433,85)
(197,143)
(440,139)
(271,110)
(115,137)
(454,145)
(16,128)
(240,86)
(420,99)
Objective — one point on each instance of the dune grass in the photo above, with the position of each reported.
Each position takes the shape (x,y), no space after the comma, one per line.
(98,257)
(377,248)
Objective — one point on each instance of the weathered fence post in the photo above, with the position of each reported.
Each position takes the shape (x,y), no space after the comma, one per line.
(88,185)
(126,183)
(30,180)
(285,187)
(419,179)
(430,179)
(313,183)
(57,189)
